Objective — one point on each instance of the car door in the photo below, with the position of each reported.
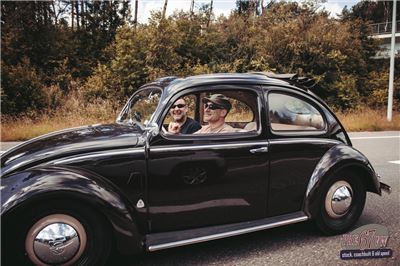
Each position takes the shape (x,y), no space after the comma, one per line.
(297,130)
(203,180)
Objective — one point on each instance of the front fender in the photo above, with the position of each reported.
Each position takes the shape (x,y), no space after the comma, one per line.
(338,157)
(25,188)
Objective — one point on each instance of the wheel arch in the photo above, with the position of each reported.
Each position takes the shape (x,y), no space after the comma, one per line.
(339,158)
(29,188)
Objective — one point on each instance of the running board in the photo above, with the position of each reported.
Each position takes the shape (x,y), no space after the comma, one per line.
(159,241)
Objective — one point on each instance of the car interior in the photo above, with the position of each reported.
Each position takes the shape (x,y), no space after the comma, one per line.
(243,116)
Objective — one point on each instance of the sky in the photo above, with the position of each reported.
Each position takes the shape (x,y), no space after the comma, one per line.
(222,6)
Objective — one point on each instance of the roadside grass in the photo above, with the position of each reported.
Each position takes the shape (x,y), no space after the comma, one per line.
(367,119)
(27,127)
(74,111)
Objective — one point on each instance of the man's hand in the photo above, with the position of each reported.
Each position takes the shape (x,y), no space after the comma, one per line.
(174,128)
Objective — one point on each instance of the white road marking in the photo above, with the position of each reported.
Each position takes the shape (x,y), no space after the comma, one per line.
(396,162)
(381,137)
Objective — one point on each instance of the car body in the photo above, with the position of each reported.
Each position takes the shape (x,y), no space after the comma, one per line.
(134,186)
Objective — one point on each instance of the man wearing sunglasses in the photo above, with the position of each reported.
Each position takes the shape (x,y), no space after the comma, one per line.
(182,123)
(216,108)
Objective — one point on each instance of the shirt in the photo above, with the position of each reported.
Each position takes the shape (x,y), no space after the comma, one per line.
(190,126)
(224,128)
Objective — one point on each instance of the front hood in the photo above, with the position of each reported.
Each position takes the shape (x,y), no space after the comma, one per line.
(69,142)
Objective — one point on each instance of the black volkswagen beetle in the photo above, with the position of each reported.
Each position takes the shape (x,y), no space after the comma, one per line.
(72,197)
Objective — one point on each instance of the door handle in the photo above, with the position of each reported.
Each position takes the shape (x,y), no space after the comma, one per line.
(259,150)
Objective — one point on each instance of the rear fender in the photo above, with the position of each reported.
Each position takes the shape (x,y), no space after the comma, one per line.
(337,158)
(24,189)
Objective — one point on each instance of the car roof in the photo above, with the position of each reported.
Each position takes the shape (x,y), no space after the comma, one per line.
(173,84)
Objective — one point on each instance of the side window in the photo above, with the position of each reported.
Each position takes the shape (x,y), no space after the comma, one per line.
(240,113)
(289,113)
(214,111)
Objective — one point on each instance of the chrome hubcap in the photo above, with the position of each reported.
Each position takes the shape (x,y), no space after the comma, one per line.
(55,239)
(338,199)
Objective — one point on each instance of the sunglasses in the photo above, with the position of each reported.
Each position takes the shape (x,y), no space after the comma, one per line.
(212,106)
(178,105)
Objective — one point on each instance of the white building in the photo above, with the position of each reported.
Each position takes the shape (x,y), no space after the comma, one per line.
(383,31)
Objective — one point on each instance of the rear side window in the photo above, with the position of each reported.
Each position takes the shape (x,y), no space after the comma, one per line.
(289,113)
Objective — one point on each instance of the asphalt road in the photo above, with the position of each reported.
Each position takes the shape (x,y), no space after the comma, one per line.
(301,244)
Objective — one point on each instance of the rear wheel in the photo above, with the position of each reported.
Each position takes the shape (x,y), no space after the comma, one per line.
(341,202)
(61,233)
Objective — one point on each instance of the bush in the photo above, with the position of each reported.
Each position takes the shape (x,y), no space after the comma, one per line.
(377,87)
(21,88)
(347,96)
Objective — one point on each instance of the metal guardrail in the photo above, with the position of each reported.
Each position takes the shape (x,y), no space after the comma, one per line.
(384,28)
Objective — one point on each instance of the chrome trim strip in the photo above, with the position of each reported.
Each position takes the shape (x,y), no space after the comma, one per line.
(240,145)
(70,160)
(309,140)
(96,155)
(226,234)
(208,146)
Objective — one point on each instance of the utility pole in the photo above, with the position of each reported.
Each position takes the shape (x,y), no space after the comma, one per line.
(72,14)
(136,12)
(164,9)
(391,73)
(209,13)
(192,8)
(82,14)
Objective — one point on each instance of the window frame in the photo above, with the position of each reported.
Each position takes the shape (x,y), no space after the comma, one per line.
(129,102)
(254,89)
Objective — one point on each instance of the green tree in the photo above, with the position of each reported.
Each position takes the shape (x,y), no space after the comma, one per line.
(24,83)
(38,32)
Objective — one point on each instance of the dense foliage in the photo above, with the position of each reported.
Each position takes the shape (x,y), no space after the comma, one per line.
(42,47)
(106,56)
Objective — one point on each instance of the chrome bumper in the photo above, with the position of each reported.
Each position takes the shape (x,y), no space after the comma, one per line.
(385,187)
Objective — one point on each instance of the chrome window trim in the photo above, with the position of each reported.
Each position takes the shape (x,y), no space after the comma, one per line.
(308,140)
(207,146)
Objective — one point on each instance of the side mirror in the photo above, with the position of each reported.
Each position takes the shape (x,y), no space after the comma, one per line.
(152,128)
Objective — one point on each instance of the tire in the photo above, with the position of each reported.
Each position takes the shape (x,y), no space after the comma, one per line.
(34,237)
(339,215)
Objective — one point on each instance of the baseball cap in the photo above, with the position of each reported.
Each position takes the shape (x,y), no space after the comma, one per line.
(220,100)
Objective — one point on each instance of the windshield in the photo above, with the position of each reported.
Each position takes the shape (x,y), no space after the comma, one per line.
(141,107)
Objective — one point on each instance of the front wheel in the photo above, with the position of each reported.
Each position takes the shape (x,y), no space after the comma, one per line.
(60,233)
(341,202)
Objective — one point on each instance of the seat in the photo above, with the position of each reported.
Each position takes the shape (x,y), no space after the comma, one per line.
(252,126)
